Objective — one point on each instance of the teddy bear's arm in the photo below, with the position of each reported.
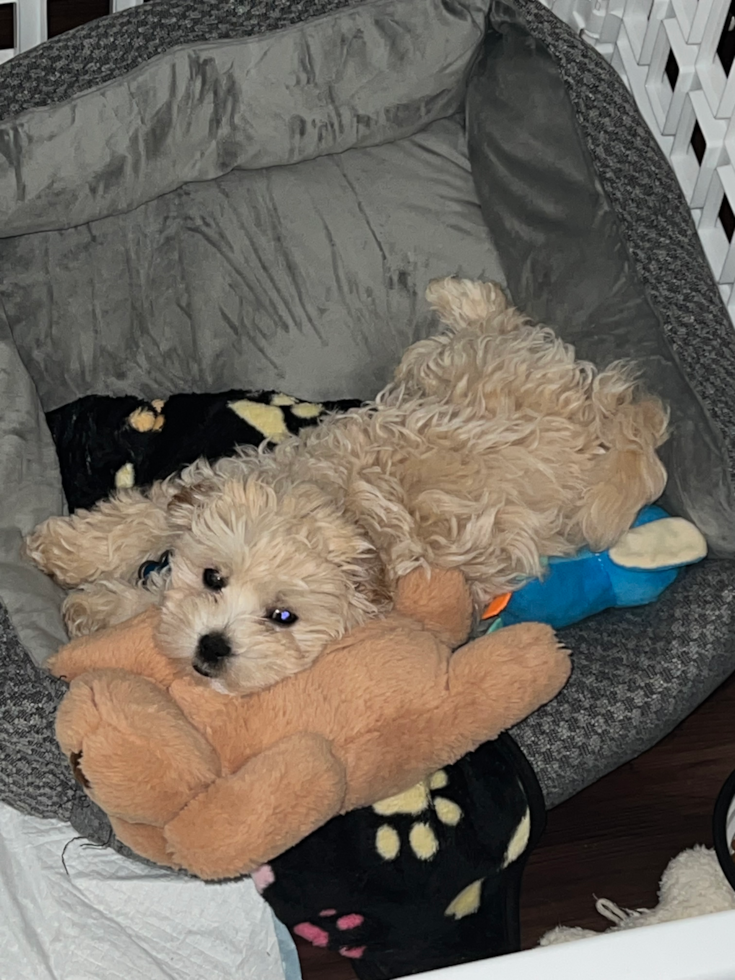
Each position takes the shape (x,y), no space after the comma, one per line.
(129,646)
(276,799)
(500,678)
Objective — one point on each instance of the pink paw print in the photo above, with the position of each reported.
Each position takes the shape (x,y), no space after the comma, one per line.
(264,876)
(318,936)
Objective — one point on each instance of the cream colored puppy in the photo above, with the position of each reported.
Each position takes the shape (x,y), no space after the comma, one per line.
(492,448)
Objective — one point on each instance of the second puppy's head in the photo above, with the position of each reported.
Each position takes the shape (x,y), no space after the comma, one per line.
(261,581)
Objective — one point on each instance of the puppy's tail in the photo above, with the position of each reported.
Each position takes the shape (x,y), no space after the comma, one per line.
(628,474)
(454,361)
(468,306)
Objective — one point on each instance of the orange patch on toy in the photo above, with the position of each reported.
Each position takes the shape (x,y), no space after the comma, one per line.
(497,605)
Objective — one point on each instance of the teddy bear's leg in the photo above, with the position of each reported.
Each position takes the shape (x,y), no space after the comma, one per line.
(273,802)
(144,839)
(502,677)
(129,646)
(132,748)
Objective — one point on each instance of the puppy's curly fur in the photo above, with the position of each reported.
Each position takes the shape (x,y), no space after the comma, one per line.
(491,448)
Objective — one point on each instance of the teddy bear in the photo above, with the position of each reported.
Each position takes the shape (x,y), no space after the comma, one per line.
(220,784)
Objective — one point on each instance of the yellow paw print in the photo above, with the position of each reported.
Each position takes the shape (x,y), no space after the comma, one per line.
(270,420)
(415,801)
(146,419)
(423,799)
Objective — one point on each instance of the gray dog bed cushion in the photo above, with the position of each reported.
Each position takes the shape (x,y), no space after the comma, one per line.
(188,220)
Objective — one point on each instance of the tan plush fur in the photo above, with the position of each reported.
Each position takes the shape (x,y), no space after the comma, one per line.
(219,783)
(492,448)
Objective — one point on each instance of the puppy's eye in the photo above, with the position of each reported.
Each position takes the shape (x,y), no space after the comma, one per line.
(282,617)
(213,580)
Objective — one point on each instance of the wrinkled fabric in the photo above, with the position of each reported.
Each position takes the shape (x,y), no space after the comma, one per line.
(95,916)
(95,53)
(376,72)
(31,490)
(308,278)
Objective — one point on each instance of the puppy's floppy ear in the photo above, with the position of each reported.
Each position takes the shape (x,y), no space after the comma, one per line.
(344,544)
(328,532)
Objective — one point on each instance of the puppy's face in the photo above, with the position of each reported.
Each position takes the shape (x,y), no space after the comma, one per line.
(261,582)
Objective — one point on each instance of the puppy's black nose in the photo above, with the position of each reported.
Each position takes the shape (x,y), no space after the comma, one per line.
(212,649)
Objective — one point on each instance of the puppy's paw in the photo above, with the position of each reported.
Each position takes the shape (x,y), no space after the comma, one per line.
(81,615)
(98,605)
(465,303)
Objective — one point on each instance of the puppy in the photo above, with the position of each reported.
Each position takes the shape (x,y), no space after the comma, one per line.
(492,448)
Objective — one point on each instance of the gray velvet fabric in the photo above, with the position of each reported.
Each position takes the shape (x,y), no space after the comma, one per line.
(636,673)
(362,76)
(31,490)
(102,50)
(307,278)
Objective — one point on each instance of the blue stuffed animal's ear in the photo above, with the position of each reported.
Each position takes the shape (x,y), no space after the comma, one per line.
(668,542)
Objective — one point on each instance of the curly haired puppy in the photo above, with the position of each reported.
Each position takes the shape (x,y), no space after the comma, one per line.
(491,448)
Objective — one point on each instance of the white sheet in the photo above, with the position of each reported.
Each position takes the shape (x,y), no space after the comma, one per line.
(110,918)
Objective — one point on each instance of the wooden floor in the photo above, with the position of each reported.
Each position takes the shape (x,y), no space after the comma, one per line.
(614,839)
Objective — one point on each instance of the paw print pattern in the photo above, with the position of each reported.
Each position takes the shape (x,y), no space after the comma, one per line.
(271,419)
(422,879)
(318,935)
(467,901)
(334,931)
(125,477)
(144,419)
(417,801)
(423,801)
(148,418)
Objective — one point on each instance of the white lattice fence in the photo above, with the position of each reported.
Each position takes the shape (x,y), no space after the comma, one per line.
(676,56)
(30,18)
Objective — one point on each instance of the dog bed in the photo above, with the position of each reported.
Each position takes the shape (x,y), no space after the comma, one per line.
(221,196)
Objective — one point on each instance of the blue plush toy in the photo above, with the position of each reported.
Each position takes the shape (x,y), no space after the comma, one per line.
(634,572)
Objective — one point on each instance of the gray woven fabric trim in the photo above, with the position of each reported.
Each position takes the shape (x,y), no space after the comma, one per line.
(89,821)
(110,47)
(637,673)
(653,213)
(34,775)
